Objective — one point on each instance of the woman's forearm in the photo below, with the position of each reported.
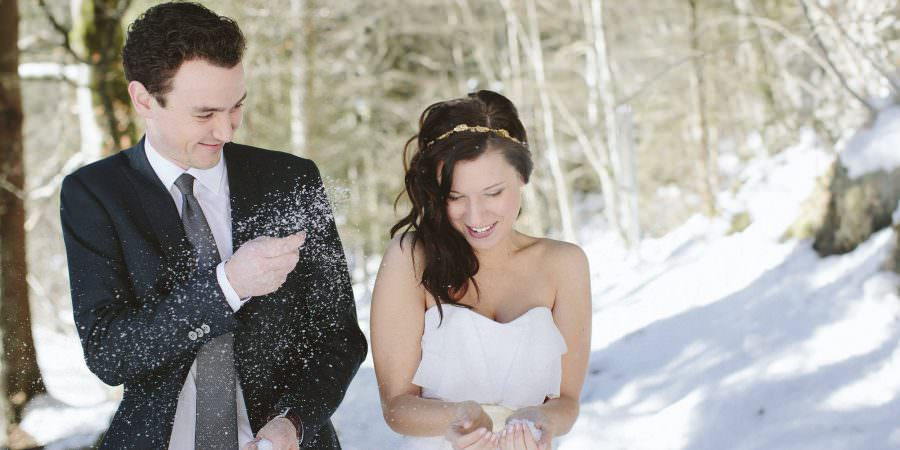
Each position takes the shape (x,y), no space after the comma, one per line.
(412,415)
(562,412)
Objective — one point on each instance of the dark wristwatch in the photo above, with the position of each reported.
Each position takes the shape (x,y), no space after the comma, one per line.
(292,415)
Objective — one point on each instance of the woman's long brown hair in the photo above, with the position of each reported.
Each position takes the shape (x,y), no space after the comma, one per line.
(449,261)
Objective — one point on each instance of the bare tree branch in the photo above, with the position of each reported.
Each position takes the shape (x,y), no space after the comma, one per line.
(63,31)
(893,80)
(828,60)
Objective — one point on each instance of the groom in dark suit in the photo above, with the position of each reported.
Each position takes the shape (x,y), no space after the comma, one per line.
(207,277)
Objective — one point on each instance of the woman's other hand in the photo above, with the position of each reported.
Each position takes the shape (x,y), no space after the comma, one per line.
(517,434)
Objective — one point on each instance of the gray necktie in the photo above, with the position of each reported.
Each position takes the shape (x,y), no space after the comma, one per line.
(216,409)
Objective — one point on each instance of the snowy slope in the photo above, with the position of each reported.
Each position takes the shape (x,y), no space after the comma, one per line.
(745,342)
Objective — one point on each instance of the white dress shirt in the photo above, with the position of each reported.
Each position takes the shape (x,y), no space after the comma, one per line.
(212,192)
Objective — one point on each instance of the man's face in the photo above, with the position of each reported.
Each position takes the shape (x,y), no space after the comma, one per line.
(202,112)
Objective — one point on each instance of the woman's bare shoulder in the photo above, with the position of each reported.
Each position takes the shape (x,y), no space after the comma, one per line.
(561,254)
(567,264)
(404,252)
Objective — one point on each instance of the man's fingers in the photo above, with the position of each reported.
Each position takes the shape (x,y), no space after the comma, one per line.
(293,242)
(283,263)
(273,247)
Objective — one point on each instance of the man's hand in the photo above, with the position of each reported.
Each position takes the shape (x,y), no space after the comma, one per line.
(280,432)
(261,266)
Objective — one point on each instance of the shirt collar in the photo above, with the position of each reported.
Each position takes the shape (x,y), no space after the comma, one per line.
(167,171)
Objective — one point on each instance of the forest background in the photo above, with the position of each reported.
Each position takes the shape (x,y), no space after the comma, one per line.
(640,114)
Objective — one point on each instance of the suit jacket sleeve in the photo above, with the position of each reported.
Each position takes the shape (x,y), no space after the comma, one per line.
(124,336)
(329,345)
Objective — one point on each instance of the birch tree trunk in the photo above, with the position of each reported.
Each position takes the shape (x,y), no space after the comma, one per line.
(630,192)
(560,185)
(601,95)
(299,81)
(707,160)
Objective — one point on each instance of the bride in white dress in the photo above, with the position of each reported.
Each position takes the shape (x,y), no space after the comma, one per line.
(480,333)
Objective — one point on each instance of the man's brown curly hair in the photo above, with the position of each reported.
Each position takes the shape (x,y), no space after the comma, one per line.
(169,34)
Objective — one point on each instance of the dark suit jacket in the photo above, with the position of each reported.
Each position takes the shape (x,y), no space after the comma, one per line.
(136,294)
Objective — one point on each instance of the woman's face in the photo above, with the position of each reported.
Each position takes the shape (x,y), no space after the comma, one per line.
(484,200)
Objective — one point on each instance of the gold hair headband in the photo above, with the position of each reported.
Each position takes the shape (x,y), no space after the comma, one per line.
(477,129)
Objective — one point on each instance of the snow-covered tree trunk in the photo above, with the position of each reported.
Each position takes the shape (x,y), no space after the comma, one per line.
(598,78)
(91,136)
(856,208)
(707,159)
(551,152)
(630,192)
(299,79)
(19,371)
(894,262)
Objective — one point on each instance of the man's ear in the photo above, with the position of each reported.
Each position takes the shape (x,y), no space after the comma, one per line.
(141,99)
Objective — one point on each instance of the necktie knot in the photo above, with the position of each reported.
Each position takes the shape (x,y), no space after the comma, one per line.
(185,184)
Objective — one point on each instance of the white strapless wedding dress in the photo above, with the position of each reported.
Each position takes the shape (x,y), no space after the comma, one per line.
(471,357)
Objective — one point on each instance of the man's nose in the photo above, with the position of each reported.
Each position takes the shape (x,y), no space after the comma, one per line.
(223,129)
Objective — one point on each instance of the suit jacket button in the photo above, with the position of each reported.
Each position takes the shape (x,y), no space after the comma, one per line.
(199,332)
(205,328)
(192,336)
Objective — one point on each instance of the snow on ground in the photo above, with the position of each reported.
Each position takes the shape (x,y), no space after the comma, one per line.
(708,340)
(746,341)
(876,148)
(803,353)
(78,406)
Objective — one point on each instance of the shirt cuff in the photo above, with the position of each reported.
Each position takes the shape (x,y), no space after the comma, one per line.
(292,415)
(230,295)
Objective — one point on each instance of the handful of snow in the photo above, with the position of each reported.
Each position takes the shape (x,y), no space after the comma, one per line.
(499,415)
(535,433)
(264,444)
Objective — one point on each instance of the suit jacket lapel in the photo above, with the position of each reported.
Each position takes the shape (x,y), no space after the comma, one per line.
(246,197)
(159,209)
(245,194)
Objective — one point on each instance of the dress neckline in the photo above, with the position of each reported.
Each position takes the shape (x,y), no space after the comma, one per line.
(529,311)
